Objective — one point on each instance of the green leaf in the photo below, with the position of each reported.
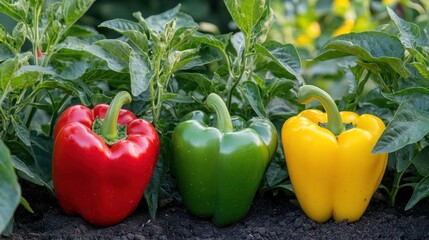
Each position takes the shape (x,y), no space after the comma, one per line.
(7,68)
(27,173)
(8,75)
(117,48)
(262,28)
(35,69)
(28,75)
(42,147)
(175,97)
(22,132)
(185,21)
(182,36)
(245,13)
(54,29)
(159,174)
(19,35)
(416,96)
(286,187)
(275,174)
(206,55)
(408,32)
(112,61)
(81,31)
(74,71)
(238,41)
(72,45)
(375,47)
(26,205)
(203,81)
(422,68)
(121,25)
(253,97)
(219,41)
(10,192)
(17,10)
(280,108)
(284,55)
(141,73)
(421,162)
(178,59)
(401,159)
(139,39)
(422,82)
(420,192)
(185,28)
(112,77)
(409,125)
(372,67)
(372,45)
(72,87)
(3,34)
(5,52)
(25,80)
(158,22)
(279,87)
(75,9)
(131,30)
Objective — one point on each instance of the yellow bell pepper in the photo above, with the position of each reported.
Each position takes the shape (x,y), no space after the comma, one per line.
(332,170)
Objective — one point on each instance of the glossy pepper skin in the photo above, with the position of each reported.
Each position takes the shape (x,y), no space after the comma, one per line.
(333,175)
(218,170)
(102,182)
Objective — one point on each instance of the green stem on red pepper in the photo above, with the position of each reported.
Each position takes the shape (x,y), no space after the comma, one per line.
(109,126)
(216,103)
(308,93)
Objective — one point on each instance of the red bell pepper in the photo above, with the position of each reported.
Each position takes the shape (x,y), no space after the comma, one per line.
(103,160)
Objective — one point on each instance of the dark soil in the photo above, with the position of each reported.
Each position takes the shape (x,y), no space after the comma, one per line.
(269,218)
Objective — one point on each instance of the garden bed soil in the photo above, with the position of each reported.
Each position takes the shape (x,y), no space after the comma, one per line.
(269,218)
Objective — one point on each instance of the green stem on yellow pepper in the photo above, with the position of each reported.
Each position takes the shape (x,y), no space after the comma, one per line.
(308,93)
(109,126)
(216,103)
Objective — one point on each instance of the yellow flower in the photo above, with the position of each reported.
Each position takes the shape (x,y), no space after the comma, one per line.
(313,30)
(303,40)
(345,28)
(340,6)
(341,3)
(389,2)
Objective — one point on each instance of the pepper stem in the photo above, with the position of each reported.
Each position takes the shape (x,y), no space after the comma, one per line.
(217,104)
(109,126)
(308,93)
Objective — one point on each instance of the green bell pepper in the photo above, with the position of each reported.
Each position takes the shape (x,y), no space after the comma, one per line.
(218,169)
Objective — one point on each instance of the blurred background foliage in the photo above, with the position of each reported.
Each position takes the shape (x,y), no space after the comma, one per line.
(306,24)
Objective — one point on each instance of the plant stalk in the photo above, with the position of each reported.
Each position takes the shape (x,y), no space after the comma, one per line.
(242,70)
(109,126)
(396,187)
(216,103)
(308,93)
